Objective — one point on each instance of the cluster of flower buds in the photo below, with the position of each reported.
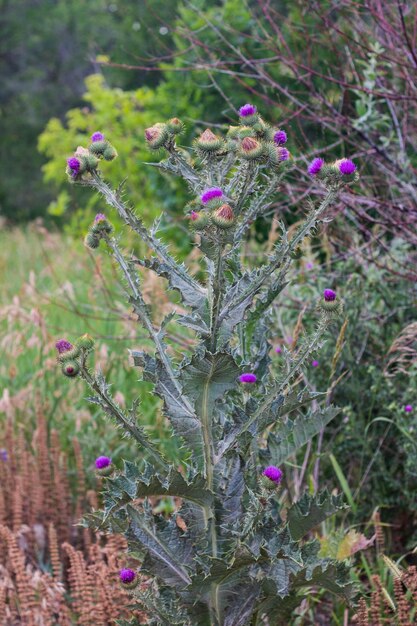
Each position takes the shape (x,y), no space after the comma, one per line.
(255,140)
(162,134)
(99,229)
(216,211)
(69,354)
(271,478)
(330,305)
(85,161)
(334,174)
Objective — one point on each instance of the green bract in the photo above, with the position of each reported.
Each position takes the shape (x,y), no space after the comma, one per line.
(231,559)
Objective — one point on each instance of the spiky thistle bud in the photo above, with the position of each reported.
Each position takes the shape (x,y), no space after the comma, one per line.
(128,578)
(156,135)
(66,351)
(85,342)
(223,217)
(199,220)
(330,303)
(109,153)
(271,477)
(208,142)
(211,195)
(101,225)
(248,114)
(175,126)
(248,378)
(92,241)
(71,368)
(98,146)
(251,149)
(103,466)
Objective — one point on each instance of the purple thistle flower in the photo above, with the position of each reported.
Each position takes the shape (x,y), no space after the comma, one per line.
(102,462)
(209,194)
(408,408)
(278,350)
(100,217)
(283,154)
(97,137)
(4,456)
(280,137)
(329,295)
(346,166)
(74,165)
(127,576)
(273,473)
(309,265)
(247,110)
(248,378)
(62,345)
(315,364)
(315,166)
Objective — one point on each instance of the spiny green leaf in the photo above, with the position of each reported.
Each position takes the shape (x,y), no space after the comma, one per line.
(310,511)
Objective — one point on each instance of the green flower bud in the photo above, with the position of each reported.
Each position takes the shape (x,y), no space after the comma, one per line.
(92,241)
(110,153)
(85,342)
(175,126)
(71,368)
(223,217)
(97,148)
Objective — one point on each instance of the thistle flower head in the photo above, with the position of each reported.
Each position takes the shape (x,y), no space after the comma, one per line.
(248,378)
(100,217)
(315,363)
(70,368)
(273,473)
(329,295)
(127,576)
(408,408)
(247,110)
(62,345)
(278,349)
(73,165)
(97,136)
(315,166)
(346,166)
(102,462)
(223,217)
(249,143)
(210,194)
(282,154)
(280,137)
(208,135)
(193,216)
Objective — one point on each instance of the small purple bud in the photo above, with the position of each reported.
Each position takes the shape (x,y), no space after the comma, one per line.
(309,265)
(100,217)
(74,165)
(247,110)
(62,345)
(4,456)
(346,166)
(273,473)
(248,378)
(315,364)
(102,462)
(280,137)
(97,137)
(127,576)
(329,295)
(278,350)
(210,194)
(408,408)
(193,216)
(315,166)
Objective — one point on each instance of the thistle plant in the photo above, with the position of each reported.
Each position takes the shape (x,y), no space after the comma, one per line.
(237,550)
